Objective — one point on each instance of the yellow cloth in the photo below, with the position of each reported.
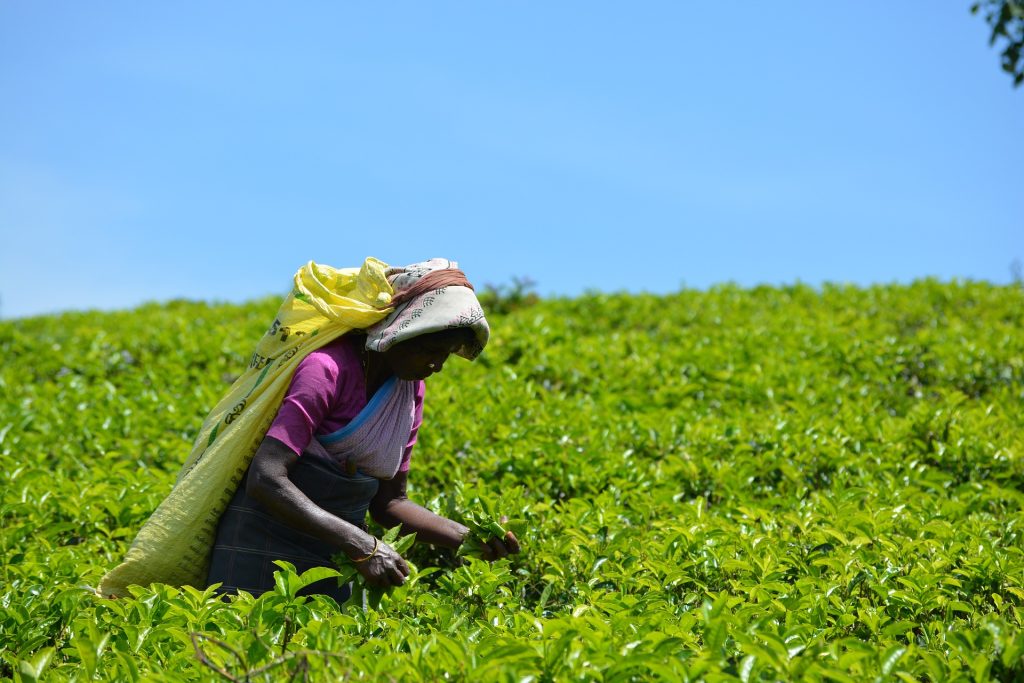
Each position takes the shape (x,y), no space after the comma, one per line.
(173,546)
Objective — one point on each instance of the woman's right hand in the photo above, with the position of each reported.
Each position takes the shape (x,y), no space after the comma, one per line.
(384,569)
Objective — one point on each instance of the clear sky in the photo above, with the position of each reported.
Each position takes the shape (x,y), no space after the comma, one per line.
(150,151)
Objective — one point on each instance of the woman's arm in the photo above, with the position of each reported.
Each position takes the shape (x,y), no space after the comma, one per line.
(391,507)
(269,484)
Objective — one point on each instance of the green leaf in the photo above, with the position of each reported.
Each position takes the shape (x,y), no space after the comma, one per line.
(897,628)
(404,543)
(32,669)
(837,675)
(891,658)
(937,670)
(747,667)
(313,575)
(960,606)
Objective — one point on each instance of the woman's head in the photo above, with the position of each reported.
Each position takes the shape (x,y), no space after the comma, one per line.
(432,297)
(423,355)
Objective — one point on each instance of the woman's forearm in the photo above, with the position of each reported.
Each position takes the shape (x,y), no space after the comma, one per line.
(428,527)
(269,484)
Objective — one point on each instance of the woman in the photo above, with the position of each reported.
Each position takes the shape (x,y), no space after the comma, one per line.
(341,445)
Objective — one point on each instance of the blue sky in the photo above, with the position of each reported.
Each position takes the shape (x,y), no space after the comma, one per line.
(206,150)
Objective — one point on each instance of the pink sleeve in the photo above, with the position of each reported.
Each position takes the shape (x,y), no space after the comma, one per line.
(417,420)
(310,397)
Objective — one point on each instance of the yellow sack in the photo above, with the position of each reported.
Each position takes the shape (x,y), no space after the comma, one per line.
(174,545)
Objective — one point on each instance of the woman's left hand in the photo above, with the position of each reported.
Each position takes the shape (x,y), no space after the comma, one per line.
(498,548)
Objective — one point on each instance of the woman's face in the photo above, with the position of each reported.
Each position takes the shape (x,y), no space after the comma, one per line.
(422,356)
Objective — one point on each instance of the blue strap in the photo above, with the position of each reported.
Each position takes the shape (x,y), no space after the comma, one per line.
(369,409)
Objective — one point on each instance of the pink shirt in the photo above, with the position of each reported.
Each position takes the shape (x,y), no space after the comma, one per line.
(327,390)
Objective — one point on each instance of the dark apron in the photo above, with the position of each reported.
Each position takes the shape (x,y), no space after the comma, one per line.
(249,538)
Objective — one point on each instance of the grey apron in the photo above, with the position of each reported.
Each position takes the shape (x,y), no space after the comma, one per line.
(250,538)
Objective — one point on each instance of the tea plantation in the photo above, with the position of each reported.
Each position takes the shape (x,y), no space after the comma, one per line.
(739,484)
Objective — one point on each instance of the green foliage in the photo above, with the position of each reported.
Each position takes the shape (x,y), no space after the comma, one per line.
(1006,19)
(762,484)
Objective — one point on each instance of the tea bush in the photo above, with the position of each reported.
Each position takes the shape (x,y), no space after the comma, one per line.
(738,484)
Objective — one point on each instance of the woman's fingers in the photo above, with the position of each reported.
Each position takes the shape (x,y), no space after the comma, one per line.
(395,576)
(497,548)
(511,542)
(395,567)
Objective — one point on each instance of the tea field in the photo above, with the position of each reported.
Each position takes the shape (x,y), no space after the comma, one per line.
(759,484)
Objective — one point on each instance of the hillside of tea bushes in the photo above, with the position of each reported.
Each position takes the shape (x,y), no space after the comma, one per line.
(739,484)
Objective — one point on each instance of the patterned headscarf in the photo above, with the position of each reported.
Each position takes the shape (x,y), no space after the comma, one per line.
(430,296)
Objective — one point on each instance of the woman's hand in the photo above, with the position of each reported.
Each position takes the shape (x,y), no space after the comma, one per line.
(384,569)
(497,548)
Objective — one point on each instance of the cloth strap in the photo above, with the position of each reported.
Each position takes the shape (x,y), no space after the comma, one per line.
(375,440)
(448,277)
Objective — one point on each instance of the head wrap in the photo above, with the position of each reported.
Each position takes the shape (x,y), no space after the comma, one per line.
(430,296)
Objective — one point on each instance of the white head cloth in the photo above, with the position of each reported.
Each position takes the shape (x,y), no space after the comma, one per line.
(439,309)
